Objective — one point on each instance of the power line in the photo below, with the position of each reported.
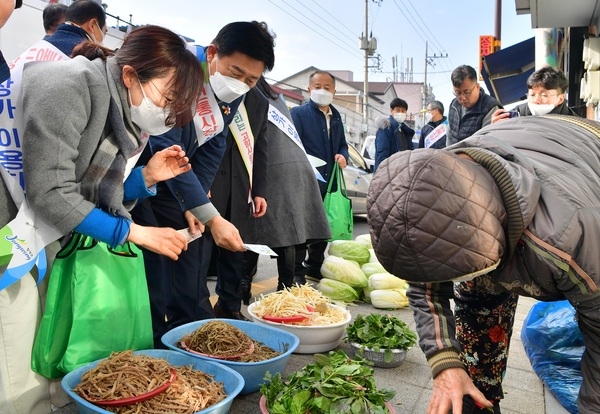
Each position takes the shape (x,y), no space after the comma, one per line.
(334,18)
(312,21)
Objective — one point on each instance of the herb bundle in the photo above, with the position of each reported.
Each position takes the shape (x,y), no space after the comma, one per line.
(333,384)
(381,332)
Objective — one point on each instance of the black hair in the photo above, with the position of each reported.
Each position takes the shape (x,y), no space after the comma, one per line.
(461,73)
(398,103)
(53,15)
(18,4)
(250,38)
(82,11)
(549,78)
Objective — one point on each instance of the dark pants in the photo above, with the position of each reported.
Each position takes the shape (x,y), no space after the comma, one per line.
(230,269)
(310,265)
(286,263)
(178,292)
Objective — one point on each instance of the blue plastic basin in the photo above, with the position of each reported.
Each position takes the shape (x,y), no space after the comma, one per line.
(252,372)
(232,381)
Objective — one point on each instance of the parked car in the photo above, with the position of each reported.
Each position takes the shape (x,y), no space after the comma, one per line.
(357,176)
(368,150)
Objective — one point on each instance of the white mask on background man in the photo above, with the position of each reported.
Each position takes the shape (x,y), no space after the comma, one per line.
(148,116)
(428,116)
(226,88)
(400,117)
(321,97)
(540,109)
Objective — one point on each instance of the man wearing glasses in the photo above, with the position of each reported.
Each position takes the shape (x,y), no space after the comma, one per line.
(472,108)
(545,95)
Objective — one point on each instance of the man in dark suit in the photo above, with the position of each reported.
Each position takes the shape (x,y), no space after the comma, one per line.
(235,60)
(237,181)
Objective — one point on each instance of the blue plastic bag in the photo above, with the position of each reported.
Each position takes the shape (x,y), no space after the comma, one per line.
(554,345)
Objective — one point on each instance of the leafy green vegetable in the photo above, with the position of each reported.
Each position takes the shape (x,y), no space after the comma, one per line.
(371,268)
(364,239)
(381,332)
(388,298)
(335,290)
(350,250)
(333,384)
(343,270)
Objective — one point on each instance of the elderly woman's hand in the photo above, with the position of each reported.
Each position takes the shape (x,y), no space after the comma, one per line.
(165,165)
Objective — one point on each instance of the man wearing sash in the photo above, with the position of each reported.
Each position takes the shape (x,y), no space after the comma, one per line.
(239,194)
(296,212)
(433,134)
(233,63)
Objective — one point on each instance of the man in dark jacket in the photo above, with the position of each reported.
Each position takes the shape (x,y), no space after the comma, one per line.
(393,135)
(545,95)
(85,20)
(472,108)
(436,121)
(513,210)
(235,60)
(321,130)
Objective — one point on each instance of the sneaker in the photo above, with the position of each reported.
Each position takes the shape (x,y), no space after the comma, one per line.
(227,314)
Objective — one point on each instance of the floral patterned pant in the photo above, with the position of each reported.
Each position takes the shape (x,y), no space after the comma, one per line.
(484,324)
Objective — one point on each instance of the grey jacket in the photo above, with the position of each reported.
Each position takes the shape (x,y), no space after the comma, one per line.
(295,213)
(548,172)
(65,105)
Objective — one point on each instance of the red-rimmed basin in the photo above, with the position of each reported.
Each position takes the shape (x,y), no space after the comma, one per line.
(138,398)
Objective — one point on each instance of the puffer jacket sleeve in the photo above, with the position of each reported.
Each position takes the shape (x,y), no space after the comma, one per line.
(430,303)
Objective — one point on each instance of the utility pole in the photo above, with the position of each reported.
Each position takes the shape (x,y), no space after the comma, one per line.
(498,26)
(429,60)
(369,45)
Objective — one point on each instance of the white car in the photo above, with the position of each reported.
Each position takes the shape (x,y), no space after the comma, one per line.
(357,176)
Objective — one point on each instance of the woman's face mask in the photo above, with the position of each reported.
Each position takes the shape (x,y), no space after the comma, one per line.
(148,116)
(226,88)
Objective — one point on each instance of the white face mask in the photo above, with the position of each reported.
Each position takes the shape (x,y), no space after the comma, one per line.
(321,97)
(540,109)
(428,116)
(400,117)
(95,40)
(226,88)
(148,116)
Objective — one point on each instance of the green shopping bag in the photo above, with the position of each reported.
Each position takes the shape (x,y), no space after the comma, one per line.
(97,303)
(338,207)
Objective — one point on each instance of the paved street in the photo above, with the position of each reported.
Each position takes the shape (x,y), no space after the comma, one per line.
(525,393)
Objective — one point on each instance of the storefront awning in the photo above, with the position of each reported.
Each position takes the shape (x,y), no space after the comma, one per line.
(505,72)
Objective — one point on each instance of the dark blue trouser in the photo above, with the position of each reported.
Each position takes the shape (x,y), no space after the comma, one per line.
(178,292)
(230,270)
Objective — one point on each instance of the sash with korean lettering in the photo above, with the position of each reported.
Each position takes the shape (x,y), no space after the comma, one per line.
(242,133)
(22,241)
(285,124)
(438,133)
(208,120)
